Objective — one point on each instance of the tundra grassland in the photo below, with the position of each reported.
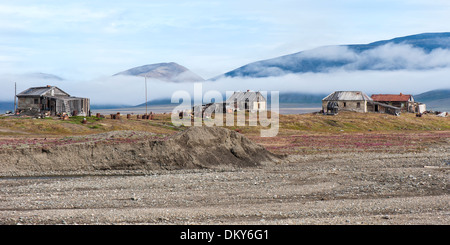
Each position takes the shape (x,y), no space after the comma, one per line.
(303,133)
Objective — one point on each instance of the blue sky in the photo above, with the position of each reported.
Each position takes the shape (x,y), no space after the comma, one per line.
(82,40)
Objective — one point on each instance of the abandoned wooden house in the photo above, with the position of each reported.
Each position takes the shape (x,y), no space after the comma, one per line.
(249,100)
(238,101)
(346,101)
(51,100)
(207,110)
(405,102)
(356,101)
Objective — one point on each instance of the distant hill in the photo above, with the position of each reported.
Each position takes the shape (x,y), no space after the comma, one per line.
(285,97)
(32,76)
(302,98)
(437,100)
(109,106)
(433,95)
(416,52)
(44,76)
(157,102)
(169,72)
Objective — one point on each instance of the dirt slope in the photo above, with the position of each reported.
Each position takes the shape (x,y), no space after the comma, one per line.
(196,147)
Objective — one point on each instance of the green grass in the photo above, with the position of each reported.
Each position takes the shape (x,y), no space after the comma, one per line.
(361,122)
(79,119)
(289,124)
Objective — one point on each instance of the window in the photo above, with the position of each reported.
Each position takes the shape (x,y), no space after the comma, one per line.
(36,101)
(358,105)
(345,104)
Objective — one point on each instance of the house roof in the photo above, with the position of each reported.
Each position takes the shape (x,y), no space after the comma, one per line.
(35,91)
(39,91)
(391,97)
(250,95)
(347,95)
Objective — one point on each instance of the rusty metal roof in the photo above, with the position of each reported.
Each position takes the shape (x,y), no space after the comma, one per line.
(391,97)
(250,95)
(39,91)
(347,95)
(35,91)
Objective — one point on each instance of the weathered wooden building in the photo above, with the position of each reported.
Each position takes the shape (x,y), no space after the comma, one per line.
(249,100)
(355,101)
(207,110)
(346,101)
(51,100)
(404,101)
(238,101)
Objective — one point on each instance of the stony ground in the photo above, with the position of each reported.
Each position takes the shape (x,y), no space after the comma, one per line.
(329,188)
(348,169)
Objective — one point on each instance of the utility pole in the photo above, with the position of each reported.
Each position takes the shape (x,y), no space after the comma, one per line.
(15,95)
(145,94)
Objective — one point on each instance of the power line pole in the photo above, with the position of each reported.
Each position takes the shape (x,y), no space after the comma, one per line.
(145,94)
(15,95)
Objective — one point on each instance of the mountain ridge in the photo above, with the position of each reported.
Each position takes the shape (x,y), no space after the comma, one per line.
(408,52)
(168,72)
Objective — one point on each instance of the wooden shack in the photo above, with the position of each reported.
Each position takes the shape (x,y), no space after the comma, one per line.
(404,101)
(346,101)
(249,100)
(51,100)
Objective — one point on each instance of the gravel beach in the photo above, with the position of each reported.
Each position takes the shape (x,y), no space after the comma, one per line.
(344,189)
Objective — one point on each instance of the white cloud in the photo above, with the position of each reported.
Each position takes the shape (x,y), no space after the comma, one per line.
(128,90)
(86,39)
(391,56)
(329,53)
(334,58)
(370,81)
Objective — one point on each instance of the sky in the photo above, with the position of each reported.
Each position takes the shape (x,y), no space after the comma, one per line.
(86,42)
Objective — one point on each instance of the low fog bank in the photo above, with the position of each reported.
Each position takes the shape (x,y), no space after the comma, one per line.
(128,90)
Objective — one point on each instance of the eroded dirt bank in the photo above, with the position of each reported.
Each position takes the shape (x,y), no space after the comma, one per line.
(196,147)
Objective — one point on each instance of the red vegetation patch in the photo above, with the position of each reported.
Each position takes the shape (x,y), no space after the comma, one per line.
(370,142)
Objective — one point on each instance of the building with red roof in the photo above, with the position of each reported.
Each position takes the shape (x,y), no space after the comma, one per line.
(404,101)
